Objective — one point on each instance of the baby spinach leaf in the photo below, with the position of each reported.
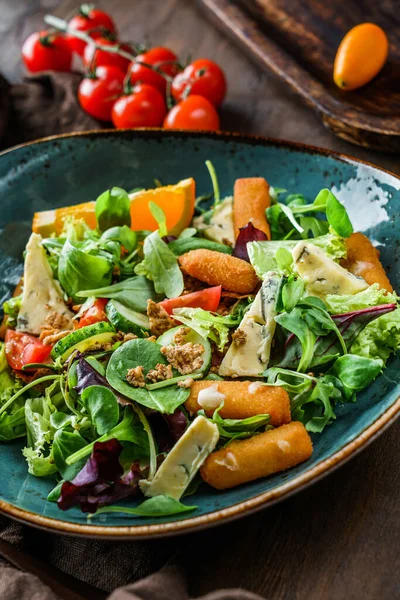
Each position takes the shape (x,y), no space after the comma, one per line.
(356,372)
(102,406)
(292,293)
(132,293)
(65,444)
(159,506)
(141,352)
(335,213)
(78,270)
(161,266)
(113,209)
(284,260)
(124,235)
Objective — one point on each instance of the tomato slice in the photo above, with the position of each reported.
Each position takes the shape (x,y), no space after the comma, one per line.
(22,349)
(94,314)
(208,299)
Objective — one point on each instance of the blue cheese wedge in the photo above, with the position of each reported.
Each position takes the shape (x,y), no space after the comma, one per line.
(184,460)
(42,294)
(322,275)
(220,229)
(251,357)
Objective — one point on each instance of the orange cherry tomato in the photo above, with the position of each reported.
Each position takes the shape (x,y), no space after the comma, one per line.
(195,112)
(207,299)
(22,349)
(361,55)
(94,314)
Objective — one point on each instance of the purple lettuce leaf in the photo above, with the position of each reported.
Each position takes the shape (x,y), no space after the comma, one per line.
(249,233)
(101,481)
(87,376)
(177,423)
(167,429)
(287,353)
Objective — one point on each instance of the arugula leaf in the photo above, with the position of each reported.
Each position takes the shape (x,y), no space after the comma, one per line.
(78,270)
(159,506)
(356,372)
(113,209)
(124,235)
(232,429)
(102,406)
(142,352)
(161,266)
(295,323)
(160,217)
(132,293)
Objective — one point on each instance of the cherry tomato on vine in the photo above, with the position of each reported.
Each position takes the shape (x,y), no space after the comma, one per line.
(143,107)
(163,58)
(99,90)
(99,58)
(22,349)
(44,51)
(92,21)
(195,112)
(202,77)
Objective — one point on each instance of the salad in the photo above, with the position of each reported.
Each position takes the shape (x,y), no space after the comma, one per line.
(158,341)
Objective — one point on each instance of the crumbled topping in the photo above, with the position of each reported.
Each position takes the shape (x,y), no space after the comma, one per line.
(123,337)
(180,336)
(76,307)
(135,377)
(239,338)
(160,373)
(55,320)
(191,284)
(185,358)
(160,321)
(51,336)
(186,383)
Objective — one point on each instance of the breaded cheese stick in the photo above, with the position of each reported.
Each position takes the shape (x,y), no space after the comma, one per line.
(250,200)
(242,399)
(363,260)
(216,268)
(262,455)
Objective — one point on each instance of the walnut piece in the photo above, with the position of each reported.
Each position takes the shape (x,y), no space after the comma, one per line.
(160,373)
(55,320)
(160,321)
(185,358)
(239,338)
(180,336)
(186,383)
(135,377)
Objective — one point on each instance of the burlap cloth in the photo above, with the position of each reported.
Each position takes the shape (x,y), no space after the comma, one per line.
(40,106)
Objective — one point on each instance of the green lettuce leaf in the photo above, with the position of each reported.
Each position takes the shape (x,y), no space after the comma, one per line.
(380,338)
(209,325)
(263,254)
(372,296)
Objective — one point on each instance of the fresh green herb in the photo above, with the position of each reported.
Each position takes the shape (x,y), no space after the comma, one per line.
(159,506)
(102,406)
(160,217)
(113,209)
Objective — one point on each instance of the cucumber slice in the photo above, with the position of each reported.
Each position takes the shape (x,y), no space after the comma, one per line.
(82,339)
(167,338)
(127,320)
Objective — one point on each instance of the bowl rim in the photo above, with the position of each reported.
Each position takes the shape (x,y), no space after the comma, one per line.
(259,501)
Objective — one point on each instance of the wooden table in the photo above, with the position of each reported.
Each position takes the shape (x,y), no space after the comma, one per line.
(340,538)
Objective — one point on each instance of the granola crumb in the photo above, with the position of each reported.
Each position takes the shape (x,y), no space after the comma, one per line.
(135,377)
(56,320)
(160,373)
(186,358)
(180,336)
(160,321)
(51,336)
(186,383)
(123,337)
(239,338)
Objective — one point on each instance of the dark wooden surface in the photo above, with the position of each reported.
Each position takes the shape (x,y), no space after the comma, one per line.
(298,39)
(338,539)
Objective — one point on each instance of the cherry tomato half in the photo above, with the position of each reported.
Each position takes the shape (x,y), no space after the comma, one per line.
(98,91)
(204,78)
(94,22)
(94,314)
(44,51)
(195,112)
(144,107)
(157,57)
(22,349)
(207,299)
(100,58)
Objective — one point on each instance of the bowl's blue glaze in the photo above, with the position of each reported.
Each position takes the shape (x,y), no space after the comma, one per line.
(76,168)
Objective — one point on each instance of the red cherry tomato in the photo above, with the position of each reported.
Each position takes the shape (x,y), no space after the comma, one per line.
(88,21)
(100,58)
(44,51)
(204,78)
(98,91)
(22,349)
(144,107)
(208,299)
(157,57)
(195,112)
(94,314)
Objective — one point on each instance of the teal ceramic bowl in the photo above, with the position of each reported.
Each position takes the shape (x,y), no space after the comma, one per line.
(75,168)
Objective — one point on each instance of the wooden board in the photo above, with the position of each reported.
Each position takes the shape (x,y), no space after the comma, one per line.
(298,39)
